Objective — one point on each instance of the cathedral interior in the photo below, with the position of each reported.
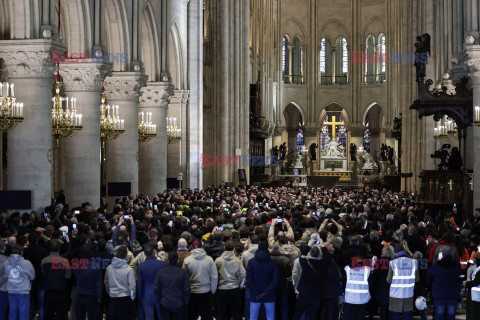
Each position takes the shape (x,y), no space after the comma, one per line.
(102,98)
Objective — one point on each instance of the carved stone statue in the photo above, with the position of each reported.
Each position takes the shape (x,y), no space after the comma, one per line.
(313,151)
(368,162)
(275,152)
(384,152)
(333,150)
(353,152)
(283,151)
(390,152)
(422,51)
(397,123)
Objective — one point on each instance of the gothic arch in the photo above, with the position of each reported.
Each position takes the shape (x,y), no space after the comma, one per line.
(117,32)
(376,110)
(176,57)
(150,45)
(373,26)
(333,29)
(294,104)
(293,28)
(75,29)
(333,106)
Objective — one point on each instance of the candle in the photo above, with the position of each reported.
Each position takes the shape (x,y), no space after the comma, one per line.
(122,124)
(6,94)
(1,89)
(80,119)
(12,94)
(21,109)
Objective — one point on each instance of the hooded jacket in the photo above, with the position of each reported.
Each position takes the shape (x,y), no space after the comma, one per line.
(231,272)
(262,277)
(119,279)
(202,272)
(249,254)
(20,274)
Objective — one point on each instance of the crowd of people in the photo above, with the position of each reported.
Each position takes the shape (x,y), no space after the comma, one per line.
(247,252)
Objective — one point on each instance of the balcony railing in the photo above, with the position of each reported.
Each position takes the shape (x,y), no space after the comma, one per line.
(339,80)
(293,79)
(374,78)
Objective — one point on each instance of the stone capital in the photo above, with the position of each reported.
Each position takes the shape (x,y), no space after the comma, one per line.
(84,77)
(156,94)
(124,85)
(473,62)
(26,59)
(180,97)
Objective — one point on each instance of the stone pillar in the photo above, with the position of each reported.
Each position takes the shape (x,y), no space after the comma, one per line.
(152,167)
(473,53)
(28,64)
(84,82)
(123,89)
(177,153)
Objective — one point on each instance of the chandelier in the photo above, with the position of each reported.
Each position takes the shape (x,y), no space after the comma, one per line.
(173,132)
(11,112)
(444,128)
(146,130)
(66,122)
(111,126)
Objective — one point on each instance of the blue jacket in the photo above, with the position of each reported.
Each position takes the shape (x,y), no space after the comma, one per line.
(446,281)
(89,280)
(147,273)
(262,277)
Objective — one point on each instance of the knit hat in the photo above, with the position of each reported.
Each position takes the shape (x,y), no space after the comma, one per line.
(196,244)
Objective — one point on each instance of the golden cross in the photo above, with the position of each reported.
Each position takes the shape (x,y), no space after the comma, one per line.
(334,124)
(450,183)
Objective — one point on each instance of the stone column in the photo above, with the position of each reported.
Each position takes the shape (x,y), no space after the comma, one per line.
(84,82)
(28,64)
(473,62)
(152,167)
(123,89)
(177,153)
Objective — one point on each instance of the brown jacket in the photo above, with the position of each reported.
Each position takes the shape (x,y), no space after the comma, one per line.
(182,254)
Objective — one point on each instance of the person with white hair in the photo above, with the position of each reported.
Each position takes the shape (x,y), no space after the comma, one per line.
(182,251)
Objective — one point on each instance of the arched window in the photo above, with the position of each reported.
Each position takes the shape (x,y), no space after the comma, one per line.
(297,76)
(286,60)
(341,61)
(382,58)
(370,64)
(326,61)
(326,131)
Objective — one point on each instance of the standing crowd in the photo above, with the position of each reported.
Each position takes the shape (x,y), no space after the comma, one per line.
(247,252)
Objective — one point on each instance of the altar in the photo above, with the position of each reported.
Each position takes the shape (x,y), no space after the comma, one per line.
(333,161)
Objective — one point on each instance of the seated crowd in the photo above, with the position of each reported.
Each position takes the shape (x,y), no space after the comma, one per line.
(247,252)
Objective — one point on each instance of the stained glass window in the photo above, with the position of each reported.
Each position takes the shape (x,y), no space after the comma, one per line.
(323,49)
(324,137)
(300,139)
(345,56)
(341,131)
(367,140)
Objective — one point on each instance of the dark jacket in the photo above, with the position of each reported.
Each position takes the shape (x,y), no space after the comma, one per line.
(446,281)
(89,280)
(172,287)
(333,283)
(56,272)
(285,272)
(415,243)
(147,273)
(35,254)
(313,279)
(262,277)
(214,248)
(379,287)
